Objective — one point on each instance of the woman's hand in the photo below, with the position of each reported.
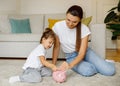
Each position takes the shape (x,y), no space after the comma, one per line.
(64,66)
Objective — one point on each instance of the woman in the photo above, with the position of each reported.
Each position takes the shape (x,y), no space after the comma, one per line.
(73,37)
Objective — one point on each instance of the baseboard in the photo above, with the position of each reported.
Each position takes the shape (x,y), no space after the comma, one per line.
(60,59)
(20,58)
(12,58)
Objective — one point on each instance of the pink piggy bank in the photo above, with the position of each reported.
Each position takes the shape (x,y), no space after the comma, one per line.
(59,76)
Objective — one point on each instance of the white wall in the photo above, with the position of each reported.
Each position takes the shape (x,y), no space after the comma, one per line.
(57,6)
(9,6)
(46,6)
(49,6)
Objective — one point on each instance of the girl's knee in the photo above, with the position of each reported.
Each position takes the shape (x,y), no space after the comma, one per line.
(46,72)
(32,80)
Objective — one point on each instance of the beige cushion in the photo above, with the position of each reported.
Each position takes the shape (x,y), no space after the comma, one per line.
(20,37)
(4,24)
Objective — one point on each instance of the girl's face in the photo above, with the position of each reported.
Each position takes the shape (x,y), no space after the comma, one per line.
(72,21)
(47,43)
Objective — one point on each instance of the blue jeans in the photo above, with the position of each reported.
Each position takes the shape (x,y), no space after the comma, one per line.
(91,64)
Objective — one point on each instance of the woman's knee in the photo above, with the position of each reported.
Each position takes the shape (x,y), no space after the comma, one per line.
(87,71)
(109,71)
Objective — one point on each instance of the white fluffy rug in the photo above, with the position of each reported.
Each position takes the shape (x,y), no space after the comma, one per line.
(10,68)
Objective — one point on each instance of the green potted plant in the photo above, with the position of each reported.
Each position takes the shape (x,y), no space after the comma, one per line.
(112,21)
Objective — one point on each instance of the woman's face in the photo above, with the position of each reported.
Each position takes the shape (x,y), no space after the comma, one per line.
(72,21)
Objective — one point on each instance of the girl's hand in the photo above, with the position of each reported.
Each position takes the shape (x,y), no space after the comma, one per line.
(54,68)
(64,66)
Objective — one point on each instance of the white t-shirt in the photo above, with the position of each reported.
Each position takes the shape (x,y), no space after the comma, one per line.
(33,60)
(67,36)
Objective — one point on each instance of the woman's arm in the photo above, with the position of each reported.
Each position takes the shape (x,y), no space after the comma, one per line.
(81,53)
(47,64)
(56,50)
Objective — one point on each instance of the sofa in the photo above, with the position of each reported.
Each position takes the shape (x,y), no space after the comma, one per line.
(19,45)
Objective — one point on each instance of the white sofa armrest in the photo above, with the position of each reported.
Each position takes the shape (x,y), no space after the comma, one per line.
(98,39)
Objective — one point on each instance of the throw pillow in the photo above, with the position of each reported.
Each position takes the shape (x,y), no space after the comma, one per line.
(52,22)
(20,26)
(87,20)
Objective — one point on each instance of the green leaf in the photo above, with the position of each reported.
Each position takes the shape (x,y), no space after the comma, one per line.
(112,9)
(116,33)
(114,26)
(110,17)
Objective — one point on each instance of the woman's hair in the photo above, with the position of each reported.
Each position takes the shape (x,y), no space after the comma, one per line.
(76,10)
(48,33)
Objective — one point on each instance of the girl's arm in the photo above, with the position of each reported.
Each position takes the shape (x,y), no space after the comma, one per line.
(47,64)
(56,50)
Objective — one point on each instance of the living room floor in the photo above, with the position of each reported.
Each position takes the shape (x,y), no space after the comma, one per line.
(14,67)
(113,54)
(11,67)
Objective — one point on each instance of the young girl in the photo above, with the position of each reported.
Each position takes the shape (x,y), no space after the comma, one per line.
(36,65)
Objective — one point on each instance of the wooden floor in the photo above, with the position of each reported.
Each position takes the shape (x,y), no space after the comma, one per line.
(113,54)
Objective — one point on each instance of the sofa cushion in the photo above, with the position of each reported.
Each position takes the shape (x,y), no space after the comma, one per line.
(25,37)
(57,16)
(20,26)
(36,21)
(52,22)
(4,24)
(87,20)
